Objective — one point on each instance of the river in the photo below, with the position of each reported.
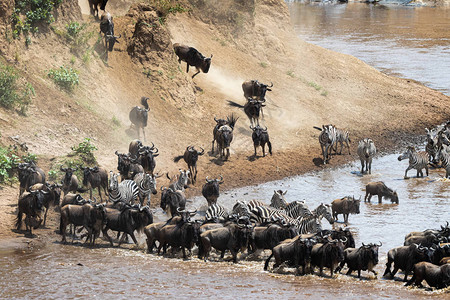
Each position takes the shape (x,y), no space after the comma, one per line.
(409,42)
(61,271)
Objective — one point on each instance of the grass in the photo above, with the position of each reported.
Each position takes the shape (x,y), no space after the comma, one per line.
(263,64)
(15,93)
(290,73)
(116,122)
(314,85)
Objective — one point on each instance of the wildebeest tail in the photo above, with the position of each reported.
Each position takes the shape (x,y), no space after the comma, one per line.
(266,264)
(318,128)
(269,144)
(234,104)
(177,158)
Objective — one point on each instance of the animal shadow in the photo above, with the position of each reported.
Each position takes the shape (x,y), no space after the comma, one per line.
(254,157)
(318,161)
(217,161)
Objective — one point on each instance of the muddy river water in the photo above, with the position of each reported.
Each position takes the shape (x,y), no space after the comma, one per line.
(57,270)
(371,33)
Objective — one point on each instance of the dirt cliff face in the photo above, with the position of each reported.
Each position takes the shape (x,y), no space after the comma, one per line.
(67,11)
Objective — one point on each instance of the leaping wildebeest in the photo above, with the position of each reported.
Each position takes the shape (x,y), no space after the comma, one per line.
(260,137)
(192,57)
(139,116)
(253,109)
(190,156)
(107,28)
(255,89)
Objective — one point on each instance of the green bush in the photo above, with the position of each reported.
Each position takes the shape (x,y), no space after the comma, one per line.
(14,95)
(85,150)
(66,78)
(28,13)
(9,160)
(78,37)
(166,7)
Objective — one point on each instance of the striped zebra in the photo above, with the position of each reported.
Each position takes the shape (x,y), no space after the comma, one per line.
(253,204)
(342,136)
(264,214)
(327,138)
(444,158)
(432,147)
(146,184)
(182,181)
(278,200)
(417,160)
(324,211)
(240,208)
(216,213)
(297,209)
(127,191)
(366,151)
(309,224)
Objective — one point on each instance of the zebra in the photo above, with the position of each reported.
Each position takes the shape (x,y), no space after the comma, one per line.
(309,224)
(146,184)
(432,147)
(278,200)
(444,158)
(342,136)
(182,181)
(297,209)
(264,214)
(241,208)
(127,191)
(253,204)
(216,213)
(366,151)
(417,160)
(324,211)
(327,138)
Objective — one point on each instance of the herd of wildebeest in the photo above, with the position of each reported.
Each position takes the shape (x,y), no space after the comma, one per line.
(291,231)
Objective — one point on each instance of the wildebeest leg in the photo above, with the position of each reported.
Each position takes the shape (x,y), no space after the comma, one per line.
(195,74)
(45,215)
(426,170)
(264,151)
(187,68)
(90,193)
(406,275)
(345,218)
(222,254)
(254,145)
(143,132)
(105,233)
(380,197)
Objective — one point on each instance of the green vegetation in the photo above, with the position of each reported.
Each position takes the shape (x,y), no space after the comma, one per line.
(9,160)
(314,85)
(29,13)
(116,122)
(147,72)
(13,94)
(263,64)
(166,7)
(85,150)
(290,73)
(66,78)
(78,37)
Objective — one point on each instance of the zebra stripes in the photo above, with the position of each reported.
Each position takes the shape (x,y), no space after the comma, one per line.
(324,211)
(342,136)
(366,151)
(297,209)
(278,200)
(182,181)
(216,212)
(444,158)
(417,160)
(146,184)
(127,191)
(327,138)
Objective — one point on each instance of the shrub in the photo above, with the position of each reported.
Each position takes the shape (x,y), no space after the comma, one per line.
(14,95)
(78,38)
(66,78)
(9,160)
(28,13)
(86,151)
(166,7)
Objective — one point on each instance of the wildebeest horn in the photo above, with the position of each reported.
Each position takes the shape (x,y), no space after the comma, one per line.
(62,169)
(192,213)
(343,241)
(381,244)
(271,84)
(180,210)
(221,179)
(211,56)
(157,175)
(163,188)
(116,153)
(207,179)
(215,119)
(203,151)
(363,244)
(265,129)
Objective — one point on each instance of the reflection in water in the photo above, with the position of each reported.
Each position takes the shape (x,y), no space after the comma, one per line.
(398,40)
(74,271)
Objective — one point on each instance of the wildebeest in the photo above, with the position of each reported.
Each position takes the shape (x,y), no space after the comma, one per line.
(139,116)
(210,189)
(233,237)
(93,6)
(417,160)
(380,189)
(182,234)
(127,220)
(51,197)
(364,258)
(297,252)
(95,177)
(107,28)
(192,57)
(133,148)
(147,156)
(255,89)
(423,240)
(152,231)
(224,137)
(260,137)
(172,201)
(127,166)
(328,254)
(70,180)
(345,206)
(31,204)
(190,156)
(230,121)
(366,151)
(435,276)
(267,237)
(252,108)
(91,217)
(404,258)
(29,174)
(73,199)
